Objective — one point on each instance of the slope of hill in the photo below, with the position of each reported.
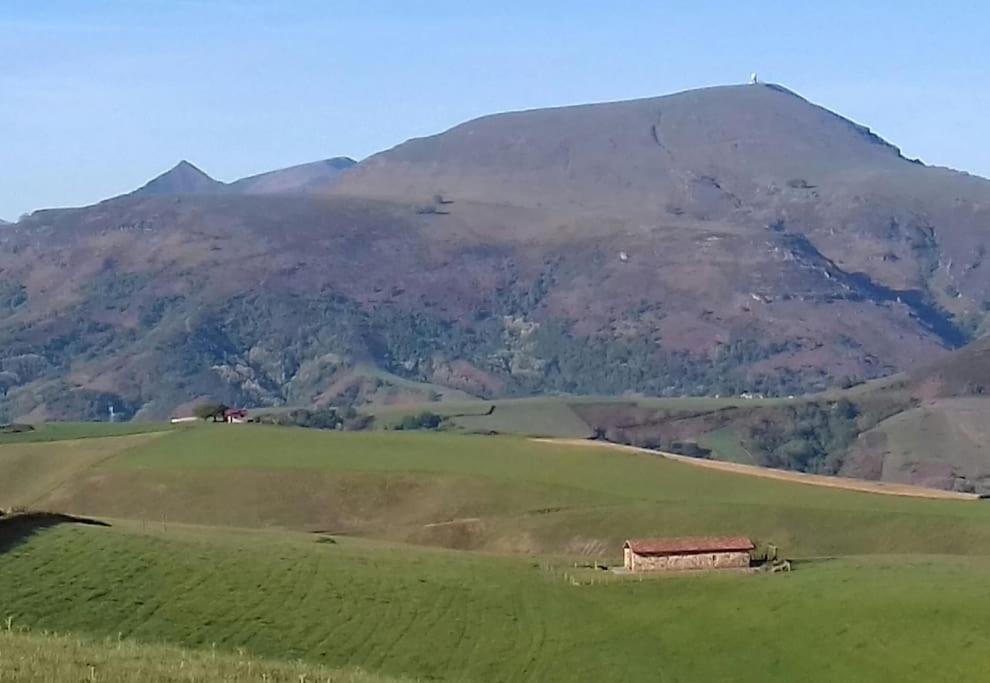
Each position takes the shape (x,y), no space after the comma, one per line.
(716,241)
(468,492)
(234,596)
(745,197)
(885,432)
(294,179)
(940,439)
(911,569)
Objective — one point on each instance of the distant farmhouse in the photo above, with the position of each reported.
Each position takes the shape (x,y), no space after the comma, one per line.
(235,416)
(670,554)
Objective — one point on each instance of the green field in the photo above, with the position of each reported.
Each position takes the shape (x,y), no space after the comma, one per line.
(544,416)
(725,444)
(428,613)
(61,431)
(490,493)
(527,417)
(26,656)
(212,543)
(31,471)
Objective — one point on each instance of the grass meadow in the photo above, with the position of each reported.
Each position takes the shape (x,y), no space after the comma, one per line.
(440,614)
(552,417)
(61,431)
(43,656)
(492,493)
(347,551)
(31,470)
(545,416)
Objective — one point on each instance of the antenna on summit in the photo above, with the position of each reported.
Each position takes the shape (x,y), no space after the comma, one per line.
(754,79)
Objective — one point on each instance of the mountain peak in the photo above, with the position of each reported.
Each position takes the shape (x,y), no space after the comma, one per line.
(183,178)
(614,153)
(185,166)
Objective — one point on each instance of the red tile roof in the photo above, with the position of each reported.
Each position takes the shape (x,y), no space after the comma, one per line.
(684,546)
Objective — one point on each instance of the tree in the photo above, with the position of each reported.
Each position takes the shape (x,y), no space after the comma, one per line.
(208,411)
(8,380)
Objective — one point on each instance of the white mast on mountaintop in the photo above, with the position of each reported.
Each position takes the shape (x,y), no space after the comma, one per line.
(754,79)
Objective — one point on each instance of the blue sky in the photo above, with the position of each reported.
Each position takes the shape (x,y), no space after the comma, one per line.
(96,97)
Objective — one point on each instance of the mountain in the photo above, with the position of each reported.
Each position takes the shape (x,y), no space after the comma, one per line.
(183,178)
(602,156)
(747,207)
(294,179)
(714,241)
(186,179)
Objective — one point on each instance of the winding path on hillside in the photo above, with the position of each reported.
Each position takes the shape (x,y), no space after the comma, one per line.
(886,488)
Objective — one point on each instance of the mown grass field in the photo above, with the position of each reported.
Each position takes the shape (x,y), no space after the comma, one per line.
(428,613)
(210,544)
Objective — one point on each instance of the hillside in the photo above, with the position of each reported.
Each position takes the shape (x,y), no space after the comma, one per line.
(886,431)
(499,494)
(294,179)
(716,241)
(359,555)
(233,597)
(940,440)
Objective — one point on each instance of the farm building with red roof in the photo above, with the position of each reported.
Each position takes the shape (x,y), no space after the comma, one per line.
(669,554)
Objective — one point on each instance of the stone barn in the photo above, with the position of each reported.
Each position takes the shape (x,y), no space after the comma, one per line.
(671,554)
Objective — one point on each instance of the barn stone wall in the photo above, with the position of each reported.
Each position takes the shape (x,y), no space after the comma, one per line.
(719,560)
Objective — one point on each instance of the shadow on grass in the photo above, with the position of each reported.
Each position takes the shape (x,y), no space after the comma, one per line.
(17,528)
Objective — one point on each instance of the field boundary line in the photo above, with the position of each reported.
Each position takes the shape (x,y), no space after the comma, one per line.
(823,480)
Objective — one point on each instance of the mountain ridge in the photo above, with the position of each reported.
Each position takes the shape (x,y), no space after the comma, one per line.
(660,137)
(725,240)
(185,178)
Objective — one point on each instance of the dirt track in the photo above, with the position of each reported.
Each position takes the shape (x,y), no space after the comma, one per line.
(885,488)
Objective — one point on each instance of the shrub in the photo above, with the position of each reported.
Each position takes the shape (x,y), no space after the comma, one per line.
(425,420)
(319,418)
